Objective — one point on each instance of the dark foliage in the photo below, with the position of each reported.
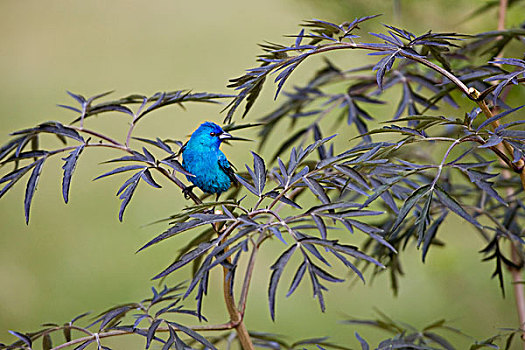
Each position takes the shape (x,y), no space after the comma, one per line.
(395,183)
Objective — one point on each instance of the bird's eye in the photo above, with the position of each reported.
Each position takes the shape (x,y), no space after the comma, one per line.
(213,134)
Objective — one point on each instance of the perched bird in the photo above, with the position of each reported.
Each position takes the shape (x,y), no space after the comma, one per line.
(202,158)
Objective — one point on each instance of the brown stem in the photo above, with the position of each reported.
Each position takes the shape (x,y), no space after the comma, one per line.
(501,14)
(236,318)
(519,292)
(179,183)
(520,164)
(515,273)
(248,275)
(488,90)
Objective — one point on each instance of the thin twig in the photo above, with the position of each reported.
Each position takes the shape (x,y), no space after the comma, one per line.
(262,237)
(217,327)
(179,183)
(331,47)
(99,135)
(115,144)
(130,131)
(248,274)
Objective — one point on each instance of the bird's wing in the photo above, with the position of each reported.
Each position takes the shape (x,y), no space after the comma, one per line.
(227,167)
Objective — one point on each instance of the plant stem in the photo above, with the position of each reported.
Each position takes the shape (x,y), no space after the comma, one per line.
(519,291)
(131,128)
(100,136)
(515,273)
(114,333)
(501,14)
(179,183)
(248,274)
(236,318)
(520,164)
(453,79)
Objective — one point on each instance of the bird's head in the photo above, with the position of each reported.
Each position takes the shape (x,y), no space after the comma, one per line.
(209,134)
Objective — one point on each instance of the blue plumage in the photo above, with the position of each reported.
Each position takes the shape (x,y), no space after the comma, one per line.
(202,157)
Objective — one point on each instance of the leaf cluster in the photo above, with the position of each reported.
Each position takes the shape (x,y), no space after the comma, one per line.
(410,167)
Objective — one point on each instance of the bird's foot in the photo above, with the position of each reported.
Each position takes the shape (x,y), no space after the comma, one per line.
(187,190)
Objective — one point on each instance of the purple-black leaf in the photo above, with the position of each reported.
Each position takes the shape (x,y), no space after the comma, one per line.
(120,170)
(454,206)
(69,168)
(277,270)
(31,186)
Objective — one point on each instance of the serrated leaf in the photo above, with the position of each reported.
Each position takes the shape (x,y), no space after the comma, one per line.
(430,234)
(320,225)
(31,186)
(299,274)
(454,206)
(79,317)
(194,335)
(10,146)
(277,270)
(151,332)
(175,165)
(479,179)
(120,170)
(325,274)
(79,98)
(353,174)
(146,176)
(364,344)
(69,168)
(316,189)
(348,264)
(23,337)
(14,176)
(277,233)
(70,108)
(84,345)
(246,184)
(171,340)
(186,258)
(53,128)
(409,204)
(157,142)
(384,65)
(259,168)
(284,199)
(497,117)
(424,216)
(184,226)
(127,190)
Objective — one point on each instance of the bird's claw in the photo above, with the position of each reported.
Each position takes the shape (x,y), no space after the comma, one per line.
(187,190)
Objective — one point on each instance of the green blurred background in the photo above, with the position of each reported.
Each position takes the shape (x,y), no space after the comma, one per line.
(78,257)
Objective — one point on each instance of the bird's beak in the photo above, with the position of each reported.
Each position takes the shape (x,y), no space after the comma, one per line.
(225,136)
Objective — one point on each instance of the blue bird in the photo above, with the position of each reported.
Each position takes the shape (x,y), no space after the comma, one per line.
(202,158)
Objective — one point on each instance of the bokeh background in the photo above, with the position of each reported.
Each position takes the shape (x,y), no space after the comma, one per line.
(78,257)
